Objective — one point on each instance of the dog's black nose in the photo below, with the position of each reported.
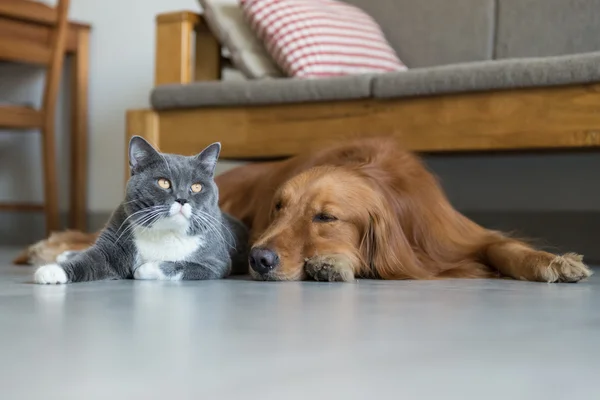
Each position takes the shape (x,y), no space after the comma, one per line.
(181,201)
(263,260)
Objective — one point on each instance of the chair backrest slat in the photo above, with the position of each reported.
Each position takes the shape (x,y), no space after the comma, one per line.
(25,51)
(51,54)
(30,11)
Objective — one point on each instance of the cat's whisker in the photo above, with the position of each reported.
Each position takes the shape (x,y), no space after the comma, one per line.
(149,221)
(142,221)
(205,225)
(143,210)
(152,211)
(128,231)
(130,201)
(219,224)
(212,219)
(126,219)
(211,227)
(138,220)
(131,229)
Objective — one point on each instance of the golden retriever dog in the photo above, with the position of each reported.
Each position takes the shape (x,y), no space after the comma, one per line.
(368,209)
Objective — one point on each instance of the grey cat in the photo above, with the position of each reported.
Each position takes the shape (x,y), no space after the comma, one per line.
(169,227)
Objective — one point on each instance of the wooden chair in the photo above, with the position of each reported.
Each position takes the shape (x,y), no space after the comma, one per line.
(50,56)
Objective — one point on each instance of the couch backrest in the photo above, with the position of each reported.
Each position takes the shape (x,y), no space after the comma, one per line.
(537,28)
(438,32)
(435,32)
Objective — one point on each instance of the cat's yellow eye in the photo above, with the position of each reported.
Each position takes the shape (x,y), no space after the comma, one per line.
(164,183)
(196,188)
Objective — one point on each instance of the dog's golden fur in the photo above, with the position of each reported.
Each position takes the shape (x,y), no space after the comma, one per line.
(46,251)
(387,218)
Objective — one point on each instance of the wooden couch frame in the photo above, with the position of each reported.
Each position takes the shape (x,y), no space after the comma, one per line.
(566,117)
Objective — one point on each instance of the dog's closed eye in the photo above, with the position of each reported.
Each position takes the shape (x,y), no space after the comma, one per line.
(324,217)
(278,205)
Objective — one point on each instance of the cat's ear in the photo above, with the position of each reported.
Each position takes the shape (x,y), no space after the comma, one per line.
(140,153)
(208,158)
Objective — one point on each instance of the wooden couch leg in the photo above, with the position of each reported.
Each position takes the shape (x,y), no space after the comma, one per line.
(142,123)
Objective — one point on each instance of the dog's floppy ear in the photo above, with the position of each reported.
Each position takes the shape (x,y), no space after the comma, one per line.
(385,248)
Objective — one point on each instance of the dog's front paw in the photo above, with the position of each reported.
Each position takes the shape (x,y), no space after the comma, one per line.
(566,268)
(50,274)
(332,268)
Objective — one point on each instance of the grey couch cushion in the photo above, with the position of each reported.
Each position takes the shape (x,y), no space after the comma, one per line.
(536,28)
(269,91)
(490,75)
(435,32)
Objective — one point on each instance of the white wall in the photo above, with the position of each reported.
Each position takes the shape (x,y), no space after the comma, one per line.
(122,54)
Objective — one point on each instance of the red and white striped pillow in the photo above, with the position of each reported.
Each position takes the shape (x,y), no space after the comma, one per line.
(320,38)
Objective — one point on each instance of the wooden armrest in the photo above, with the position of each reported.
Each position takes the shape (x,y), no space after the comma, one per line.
(181,59)
(179,16)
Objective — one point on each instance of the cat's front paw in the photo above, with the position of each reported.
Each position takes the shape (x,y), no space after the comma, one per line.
(50,274)
(66,256)
(153,271)
(148,271)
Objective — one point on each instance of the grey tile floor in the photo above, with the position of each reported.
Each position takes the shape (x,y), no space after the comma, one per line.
(237,339)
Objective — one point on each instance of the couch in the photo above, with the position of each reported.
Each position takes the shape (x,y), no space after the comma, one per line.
(485,75)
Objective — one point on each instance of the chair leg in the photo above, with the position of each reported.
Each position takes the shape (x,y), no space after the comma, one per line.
(50,181)
(79,128)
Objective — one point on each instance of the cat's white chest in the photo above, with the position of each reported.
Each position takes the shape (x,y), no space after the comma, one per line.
(164,245)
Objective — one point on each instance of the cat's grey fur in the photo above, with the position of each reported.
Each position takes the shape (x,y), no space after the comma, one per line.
(153,236)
